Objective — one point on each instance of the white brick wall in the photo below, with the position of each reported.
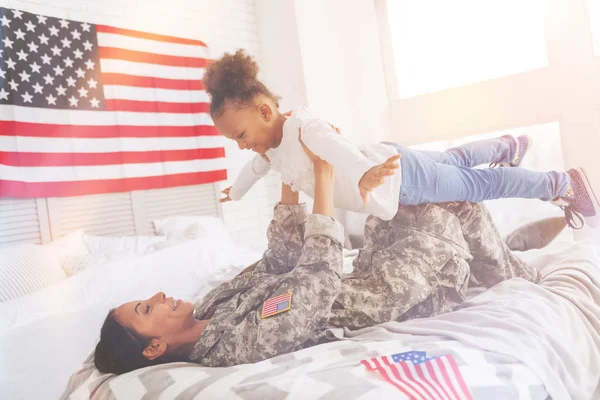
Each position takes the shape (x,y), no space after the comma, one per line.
(224,25)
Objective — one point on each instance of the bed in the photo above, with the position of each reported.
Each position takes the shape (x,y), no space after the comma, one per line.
(46,337)
(45,342)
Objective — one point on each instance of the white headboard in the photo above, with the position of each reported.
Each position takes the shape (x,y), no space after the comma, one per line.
(120,214)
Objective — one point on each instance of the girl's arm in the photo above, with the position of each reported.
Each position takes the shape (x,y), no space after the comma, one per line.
(251,173)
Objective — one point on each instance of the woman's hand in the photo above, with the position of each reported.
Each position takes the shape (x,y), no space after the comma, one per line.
(226,193)
(317,161)
(324,176)
(335,128)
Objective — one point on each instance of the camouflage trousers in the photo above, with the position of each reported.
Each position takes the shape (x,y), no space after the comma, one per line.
(421,263)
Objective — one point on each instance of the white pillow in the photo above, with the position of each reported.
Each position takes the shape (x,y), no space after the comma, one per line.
(74,264)
(26,268)
(111,246)
(192,228)
(69,245)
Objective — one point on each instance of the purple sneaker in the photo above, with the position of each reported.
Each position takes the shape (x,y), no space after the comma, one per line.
(524,143)
(580,201)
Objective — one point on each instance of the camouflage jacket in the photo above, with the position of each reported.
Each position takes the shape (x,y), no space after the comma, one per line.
(304,257)
(418,264)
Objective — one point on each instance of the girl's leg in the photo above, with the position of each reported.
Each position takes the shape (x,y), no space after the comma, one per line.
(502,149)
(425,181)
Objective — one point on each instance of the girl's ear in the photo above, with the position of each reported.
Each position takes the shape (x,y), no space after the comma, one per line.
(266,113)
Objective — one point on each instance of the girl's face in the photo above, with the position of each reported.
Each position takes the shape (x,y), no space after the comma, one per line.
(251,127)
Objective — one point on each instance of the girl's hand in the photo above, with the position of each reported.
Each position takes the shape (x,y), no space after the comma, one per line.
(226,193)
(376,176)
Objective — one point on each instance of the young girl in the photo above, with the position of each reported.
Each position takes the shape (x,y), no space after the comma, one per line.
(244,110)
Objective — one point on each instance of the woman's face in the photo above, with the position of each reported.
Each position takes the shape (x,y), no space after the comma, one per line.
(157,317)
(251,127)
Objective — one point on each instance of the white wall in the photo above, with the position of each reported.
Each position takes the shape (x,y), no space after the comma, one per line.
(343,69)
(224,25)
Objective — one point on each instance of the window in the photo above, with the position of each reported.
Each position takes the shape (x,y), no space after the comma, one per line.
(440,44)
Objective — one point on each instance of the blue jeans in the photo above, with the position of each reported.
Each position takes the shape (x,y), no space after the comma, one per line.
(436,177)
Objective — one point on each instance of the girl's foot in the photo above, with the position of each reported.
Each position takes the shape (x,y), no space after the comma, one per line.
(580,201)
(523,144)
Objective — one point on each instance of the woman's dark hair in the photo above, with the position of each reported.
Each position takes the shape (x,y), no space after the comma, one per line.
(233,79)
(120,349)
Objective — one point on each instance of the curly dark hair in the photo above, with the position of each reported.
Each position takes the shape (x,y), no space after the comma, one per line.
(233,79)
(120,349)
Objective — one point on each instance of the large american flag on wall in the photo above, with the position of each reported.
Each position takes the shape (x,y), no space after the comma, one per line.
(90,109)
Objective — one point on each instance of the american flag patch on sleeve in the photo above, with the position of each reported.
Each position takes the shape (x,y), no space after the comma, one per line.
(277,305)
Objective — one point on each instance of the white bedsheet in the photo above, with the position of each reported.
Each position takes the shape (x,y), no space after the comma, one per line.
(46,335)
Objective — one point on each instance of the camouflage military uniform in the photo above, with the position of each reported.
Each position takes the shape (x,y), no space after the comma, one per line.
(418,264)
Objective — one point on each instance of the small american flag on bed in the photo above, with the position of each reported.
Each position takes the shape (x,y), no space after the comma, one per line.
(419,377)
(88,109)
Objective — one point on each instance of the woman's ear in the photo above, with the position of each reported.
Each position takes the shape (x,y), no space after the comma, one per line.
(155,349)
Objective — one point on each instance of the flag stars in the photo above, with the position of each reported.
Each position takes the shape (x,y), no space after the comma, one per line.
(85,27)
(66,43)
(73,101)
(2,73)
(4,94)
(71,82)
(87,45)
(41,19)
(46,59)
(30,26)
(26,97)
(76,34)
(7,42)
(68,62)
(51,100)
(92,84)
(80,73)
(43,39)
(35,68)
(20,34)
(5,21)
(61,90)
(33,47)
(58,70)
(95,103)
(56,51)
(37,88)
(89,64)
(63,23)
(83,92)
(49,79)
(24,76)
(13,85)
(18,14)
(22,55)
(78,54)
(11,64)
(53,31)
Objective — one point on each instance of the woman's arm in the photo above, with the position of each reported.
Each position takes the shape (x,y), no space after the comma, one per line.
(312,287)
(285,234)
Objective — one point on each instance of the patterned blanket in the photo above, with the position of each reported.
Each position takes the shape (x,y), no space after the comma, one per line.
(329,371)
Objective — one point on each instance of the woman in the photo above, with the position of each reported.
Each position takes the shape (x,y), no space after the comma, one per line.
(418,264)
